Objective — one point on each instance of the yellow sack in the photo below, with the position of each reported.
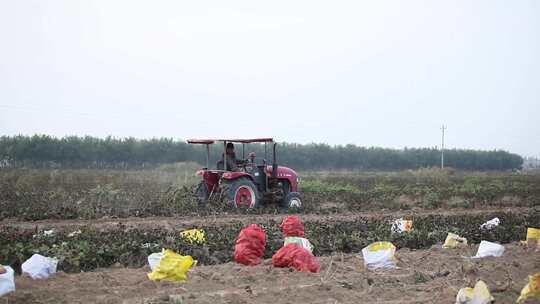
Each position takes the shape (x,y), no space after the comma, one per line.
(464,295)
(193,236)
(379,255)
(172,267)
(533,233)
(533,237)
(477,295)
(454,241)
(532,289)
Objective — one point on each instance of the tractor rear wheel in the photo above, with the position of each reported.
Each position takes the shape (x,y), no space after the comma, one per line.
(241,193)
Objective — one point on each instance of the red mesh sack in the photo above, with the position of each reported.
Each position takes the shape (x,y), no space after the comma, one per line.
(296,257)
(249,247)
(292,226)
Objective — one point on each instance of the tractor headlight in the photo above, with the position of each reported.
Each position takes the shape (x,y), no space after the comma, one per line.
(297,180)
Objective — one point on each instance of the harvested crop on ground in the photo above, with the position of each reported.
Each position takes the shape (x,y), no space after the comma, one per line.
(431,275)
(129,243)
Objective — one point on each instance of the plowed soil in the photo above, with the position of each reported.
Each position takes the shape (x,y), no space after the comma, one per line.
(424,276)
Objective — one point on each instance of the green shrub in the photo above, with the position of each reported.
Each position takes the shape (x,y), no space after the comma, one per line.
(432,200)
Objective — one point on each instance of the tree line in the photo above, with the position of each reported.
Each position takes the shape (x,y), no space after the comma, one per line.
(91,152)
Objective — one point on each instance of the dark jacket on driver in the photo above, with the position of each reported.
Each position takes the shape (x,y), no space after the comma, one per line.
(231,162)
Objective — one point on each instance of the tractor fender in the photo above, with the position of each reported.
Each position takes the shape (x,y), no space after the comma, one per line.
(236,175)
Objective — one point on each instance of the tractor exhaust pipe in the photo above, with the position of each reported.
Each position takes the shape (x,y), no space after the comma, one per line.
(274,162)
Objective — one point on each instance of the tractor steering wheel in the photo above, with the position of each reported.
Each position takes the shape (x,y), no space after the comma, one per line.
(244,165)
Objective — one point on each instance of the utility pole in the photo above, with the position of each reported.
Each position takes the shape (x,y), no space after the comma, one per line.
(442,147)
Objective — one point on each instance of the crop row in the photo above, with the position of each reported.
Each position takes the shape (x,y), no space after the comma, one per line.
(88,248)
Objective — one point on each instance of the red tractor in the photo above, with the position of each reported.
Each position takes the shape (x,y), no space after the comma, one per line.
(246,183)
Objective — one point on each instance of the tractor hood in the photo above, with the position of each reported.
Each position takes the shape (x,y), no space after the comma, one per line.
(285,173)
(282,172)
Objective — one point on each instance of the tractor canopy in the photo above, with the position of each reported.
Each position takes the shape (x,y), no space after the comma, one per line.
(225,141)
(234,140)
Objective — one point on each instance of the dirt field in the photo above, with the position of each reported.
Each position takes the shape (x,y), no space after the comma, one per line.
(424,276)
(346,214)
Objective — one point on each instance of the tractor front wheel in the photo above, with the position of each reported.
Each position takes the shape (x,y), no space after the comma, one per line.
(293,200)
(241,193)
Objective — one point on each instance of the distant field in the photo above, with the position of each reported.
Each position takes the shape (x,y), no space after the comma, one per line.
(32,194)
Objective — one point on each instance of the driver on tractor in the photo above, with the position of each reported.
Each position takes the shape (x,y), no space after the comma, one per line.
(230,159)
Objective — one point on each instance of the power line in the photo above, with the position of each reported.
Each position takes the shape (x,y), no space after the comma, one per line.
(442,147)
(149,117)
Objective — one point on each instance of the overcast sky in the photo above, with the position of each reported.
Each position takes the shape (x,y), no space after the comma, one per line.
(372,73)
